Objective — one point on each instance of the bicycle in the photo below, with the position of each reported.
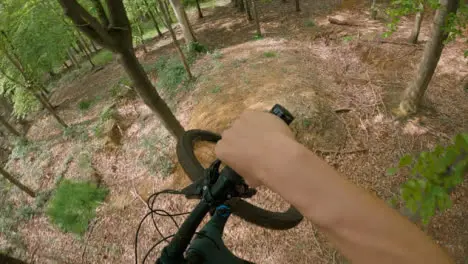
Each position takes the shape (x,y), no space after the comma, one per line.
(220,194)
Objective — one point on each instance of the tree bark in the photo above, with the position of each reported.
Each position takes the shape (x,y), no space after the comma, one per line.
(165,15)
(417,25)
(153,18)
(17,183)
(5,259)
(298,7)
(374,10)
(183,21)
(73,59)
(415,91)
(241,6)
(50,108)
(86,52)
(9,127)
(257,20)
(200,14)
(248,10)
(149,94)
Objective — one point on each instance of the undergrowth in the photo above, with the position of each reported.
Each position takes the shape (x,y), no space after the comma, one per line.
(74,204)
(156,157)
(433,176)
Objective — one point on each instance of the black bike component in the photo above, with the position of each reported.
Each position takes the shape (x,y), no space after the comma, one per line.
(245,210)
(173,253)
(208,246)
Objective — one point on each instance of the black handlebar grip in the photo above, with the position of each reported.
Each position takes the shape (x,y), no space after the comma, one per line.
(283,113)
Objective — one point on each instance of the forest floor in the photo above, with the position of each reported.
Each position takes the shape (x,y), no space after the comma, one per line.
(340,82)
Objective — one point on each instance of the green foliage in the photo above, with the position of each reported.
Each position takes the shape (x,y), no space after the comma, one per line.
(157,157)
(197,47)
(74,204)
(103,57)
(171,74)
(216,54)
(269,54)
(85,105)
(75,132)
(121,89)
(257,37)
(22,148)
(455,23)
(433,175)
(310,23)
(107,113)
(217,89)
(24,102)
(347,39)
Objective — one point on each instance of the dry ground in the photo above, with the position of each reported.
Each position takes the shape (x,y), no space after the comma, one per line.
(313,71)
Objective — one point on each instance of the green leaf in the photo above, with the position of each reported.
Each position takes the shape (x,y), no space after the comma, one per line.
(405,161)
(391,171)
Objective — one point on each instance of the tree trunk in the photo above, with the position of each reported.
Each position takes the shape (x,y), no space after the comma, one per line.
(165,15)
(86,49)
(257,21)
(149,94)
(236,3)
(153,18)
(17,183)
(9,127)
(417,25)
(200,14)
(298,7)
(72,58)
(48,106)
(183,21)
(141,33)
(87,54)
(241,6)
(374,10)
(415,91)
(5,259)
(248,10)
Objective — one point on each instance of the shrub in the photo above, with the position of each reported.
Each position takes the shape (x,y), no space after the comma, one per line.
(103,57)
(74,205)
(269,54)
(85,105)
(310,23)
(433,175)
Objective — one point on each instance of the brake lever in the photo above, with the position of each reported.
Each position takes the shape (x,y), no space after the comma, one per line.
(210,176)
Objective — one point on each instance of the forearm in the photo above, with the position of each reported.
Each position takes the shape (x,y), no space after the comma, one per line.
(363,227)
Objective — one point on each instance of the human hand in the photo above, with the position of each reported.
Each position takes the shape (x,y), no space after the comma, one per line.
(250,145)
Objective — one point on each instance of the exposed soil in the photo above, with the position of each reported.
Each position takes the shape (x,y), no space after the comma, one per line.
(340,83)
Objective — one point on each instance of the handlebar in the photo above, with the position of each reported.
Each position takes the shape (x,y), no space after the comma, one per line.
(227,184)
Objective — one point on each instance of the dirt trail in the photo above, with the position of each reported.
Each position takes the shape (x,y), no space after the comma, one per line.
(312,70)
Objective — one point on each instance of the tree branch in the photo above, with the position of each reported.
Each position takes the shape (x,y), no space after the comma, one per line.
(87,23)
